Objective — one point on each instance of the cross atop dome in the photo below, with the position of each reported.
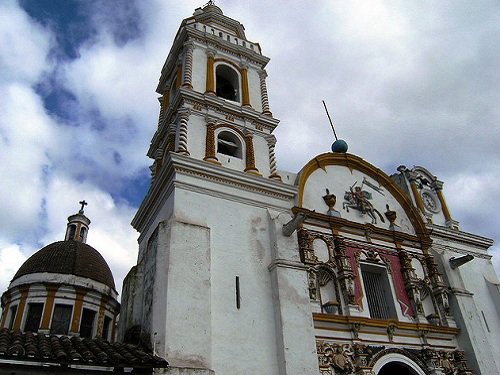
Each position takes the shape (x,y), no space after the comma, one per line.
(83,203)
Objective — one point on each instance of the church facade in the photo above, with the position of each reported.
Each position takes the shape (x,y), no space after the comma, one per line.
(337,269)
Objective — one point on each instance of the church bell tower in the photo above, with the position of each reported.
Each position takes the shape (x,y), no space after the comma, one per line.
(214,105)
(204,293)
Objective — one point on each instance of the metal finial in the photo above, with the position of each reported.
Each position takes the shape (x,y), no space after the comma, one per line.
(339,145)
(83,203)
(329,118)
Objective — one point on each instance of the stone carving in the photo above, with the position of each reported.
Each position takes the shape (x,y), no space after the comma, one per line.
(391,329)
(355,327)
(359,199)
(330,200)
(345,274)
(313,290)
(391,216)
(335,357)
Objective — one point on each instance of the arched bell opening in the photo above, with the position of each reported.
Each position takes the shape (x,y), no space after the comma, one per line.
(227,83)
(229,144)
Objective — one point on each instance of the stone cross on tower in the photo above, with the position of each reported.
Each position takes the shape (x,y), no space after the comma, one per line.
(83,203)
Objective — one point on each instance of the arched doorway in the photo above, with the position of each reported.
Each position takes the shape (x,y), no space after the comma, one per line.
(394,363)
(396,368)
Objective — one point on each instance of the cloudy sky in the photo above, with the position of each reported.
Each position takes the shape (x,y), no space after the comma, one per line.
(406,82)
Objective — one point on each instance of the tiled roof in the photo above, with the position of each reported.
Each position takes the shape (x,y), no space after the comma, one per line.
(69,257)
(65,350)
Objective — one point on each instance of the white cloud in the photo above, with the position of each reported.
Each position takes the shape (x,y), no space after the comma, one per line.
(11,258)
(24,45)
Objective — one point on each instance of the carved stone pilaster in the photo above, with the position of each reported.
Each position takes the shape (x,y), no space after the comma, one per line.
(172,129)
(245,89)
(306,250)
(345,273)
(412,285)
(182,148)
(263,93)
(210,82)
(271,142)
(210,147)
(250,155)
(439,290)
(188,65)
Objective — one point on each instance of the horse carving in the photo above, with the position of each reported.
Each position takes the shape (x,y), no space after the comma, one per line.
(359,200)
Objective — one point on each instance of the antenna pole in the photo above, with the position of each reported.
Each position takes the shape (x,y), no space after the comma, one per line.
(331,123)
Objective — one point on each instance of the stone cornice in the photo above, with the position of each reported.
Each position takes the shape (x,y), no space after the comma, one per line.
(457,236)
(369,322)
(204,104)
(187,33)
(176,165)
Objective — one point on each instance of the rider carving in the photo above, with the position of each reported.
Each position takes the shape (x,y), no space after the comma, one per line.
(358,199)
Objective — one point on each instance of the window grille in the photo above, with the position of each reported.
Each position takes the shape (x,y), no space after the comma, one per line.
(61,319)
(34,317)
(378,294)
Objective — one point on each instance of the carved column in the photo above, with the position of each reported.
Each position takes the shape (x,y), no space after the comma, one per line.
(345,274)
(210,146)
(172,128)
(178,78)
(182,148)
(188,65)
(210,84)
(244,86)
(263,93)
(158,160)
(250,155)
(439,290)
(411,285)
(271,142)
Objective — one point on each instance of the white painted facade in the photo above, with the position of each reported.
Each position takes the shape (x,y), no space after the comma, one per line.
(244,269)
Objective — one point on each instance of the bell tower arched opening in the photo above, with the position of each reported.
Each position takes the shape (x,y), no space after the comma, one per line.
(227,83)
(228,143)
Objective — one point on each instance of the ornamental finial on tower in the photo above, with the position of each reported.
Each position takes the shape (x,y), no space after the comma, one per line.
(83,203)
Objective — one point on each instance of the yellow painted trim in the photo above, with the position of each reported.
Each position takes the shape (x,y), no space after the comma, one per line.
(20,309)
(416,194)
(100,317)
(244,88)
(354,162)
(444,206)
(4,314)
(77,312)
(77,232)
(369,322)
(49,307)
(210,89)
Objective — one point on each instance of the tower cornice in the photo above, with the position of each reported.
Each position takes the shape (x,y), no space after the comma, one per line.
(190,34)
(202,104)
(245,187)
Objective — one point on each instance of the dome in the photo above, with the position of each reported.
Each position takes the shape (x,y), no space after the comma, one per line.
(212,8)
(69,257)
